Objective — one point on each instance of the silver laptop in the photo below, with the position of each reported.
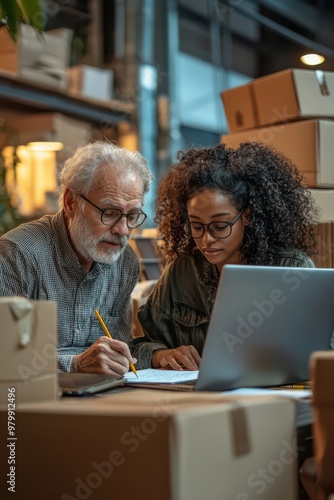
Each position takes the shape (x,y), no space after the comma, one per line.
(81,384)
(265,323)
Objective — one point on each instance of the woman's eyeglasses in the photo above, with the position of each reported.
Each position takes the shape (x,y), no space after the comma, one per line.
(217,229)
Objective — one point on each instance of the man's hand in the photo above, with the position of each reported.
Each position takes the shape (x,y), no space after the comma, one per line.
(184,357)
(104,356)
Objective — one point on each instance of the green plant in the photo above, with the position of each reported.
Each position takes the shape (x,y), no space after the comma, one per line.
(14,12)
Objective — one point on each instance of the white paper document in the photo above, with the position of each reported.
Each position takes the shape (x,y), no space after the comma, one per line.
(290,393)
(153,376)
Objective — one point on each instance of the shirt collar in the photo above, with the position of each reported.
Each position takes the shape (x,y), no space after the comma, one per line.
(210,274)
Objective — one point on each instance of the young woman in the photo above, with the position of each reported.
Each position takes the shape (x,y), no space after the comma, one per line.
(219,206)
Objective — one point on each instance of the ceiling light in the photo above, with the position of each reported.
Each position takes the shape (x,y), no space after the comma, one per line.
(312,59)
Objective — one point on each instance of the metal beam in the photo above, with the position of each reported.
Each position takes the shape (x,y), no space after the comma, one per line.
(297,11)
(19,91)
(282,30)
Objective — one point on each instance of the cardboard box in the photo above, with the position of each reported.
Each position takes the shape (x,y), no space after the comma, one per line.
(35,127)
(282,97)
(293,94)
(151,444)
(8,52)
(40,58)
(88,81)
(139,297)
(239,105)
(35,180)
(308,143)
(324,199)
(28,353)
(325,245)
(322,371)
(45,59)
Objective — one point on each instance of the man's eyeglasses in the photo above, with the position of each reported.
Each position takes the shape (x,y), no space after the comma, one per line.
(112,216)
(217,229)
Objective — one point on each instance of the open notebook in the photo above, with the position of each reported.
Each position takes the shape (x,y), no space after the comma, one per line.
(265,323)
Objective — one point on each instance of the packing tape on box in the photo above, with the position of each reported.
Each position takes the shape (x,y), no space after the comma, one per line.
(21,309)
(240,431)
(321,77)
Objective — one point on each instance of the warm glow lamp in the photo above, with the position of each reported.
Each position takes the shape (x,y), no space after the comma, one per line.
(34,175)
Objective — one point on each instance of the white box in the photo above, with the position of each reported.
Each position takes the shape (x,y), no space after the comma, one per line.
(92,82)
(45,58)
(151,444)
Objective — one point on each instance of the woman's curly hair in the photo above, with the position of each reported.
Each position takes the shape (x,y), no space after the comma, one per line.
(254,176)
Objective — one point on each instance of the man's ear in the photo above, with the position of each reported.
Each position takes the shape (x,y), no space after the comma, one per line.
(69,202)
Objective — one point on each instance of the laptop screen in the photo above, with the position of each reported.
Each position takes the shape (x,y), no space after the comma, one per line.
(265,323)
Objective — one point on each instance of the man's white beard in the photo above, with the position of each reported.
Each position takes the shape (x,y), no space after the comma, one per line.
(88,244)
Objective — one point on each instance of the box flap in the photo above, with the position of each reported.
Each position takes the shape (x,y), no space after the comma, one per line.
(315,92)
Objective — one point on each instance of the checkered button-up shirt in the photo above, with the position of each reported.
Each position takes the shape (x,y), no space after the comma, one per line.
(38,262)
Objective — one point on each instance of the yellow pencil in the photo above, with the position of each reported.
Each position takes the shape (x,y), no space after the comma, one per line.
(294,386)
(299,386)
(106,331)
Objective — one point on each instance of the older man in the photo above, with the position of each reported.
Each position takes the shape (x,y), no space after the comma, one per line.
(81,259)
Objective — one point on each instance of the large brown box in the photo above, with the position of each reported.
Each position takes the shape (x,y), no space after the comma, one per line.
(151,444)
(308,143)
(285,96)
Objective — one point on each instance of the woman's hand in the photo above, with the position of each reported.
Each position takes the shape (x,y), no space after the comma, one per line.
(184,357)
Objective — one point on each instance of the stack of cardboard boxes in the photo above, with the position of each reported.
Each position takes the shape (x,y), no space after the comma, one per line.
(293,112)
(45,59)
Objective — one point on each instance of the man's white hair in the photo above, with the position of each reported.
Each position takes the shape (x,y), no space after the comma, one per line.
(79,171)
